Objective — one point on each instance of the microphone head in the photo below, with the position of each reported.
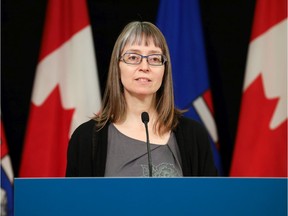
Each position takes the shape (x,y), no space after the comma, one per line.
(145,117)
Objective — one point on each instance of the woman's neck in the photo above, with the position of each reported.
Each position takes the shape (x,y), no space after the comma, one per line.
(137,105)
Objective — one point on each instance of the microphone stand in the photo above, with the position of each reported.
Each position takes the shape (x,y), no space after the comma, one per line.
(145,120)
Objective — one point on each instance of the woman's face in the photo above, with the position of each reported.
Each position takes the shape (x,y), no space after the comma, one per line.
(142,79)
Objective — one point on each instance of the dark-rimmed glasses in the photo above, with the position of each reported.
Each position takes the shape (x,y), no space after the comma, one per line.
(136,59)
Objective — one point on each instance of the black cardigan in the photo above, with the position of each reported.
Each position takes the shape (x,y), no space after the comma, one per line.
(87,150)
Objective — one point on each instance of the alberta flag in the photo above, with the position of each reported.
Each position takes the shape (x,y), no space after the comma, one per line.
(6,178)
(261,143)
(180,22)
(66,89)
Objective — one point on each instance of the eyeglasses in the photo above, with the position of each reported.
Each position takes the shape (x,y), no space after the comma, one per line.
(136,59)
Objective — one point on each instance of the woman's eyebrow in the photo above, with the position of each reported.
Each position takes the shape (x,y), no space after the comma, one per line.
(133,50)
(139,51)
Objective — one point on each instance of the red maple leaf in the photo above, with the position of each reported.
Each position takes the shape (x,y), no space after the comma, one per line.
(47,137)
(259,151)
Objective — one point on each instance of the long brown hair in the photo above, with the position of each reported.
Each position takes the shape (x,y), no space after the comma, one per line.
(114,104)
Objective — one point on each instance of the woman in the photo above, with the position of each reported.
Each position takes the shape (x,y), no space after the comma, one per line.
(113,143)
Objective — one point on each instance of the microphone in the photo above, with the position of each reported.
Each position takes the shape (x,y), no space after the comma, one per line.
(145,120)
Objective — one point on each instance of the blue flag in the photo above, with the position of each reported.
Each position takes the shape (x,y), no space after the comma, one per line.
(180,22)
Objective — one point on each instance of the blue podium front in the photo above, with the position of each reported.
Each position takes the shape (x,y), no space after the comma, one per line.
(150,196)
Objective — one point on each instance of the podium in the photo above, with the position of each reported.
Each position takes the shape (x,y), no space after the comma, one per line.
(150,196)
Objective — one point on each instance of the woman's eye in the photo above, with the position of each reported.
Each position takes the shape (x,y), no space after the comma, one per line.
(133,58)
(155,59)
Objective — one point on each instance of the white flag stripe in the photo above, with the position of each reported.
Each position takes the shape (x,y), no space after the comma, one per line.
(271,46)
(7,166)
(73,67)
(207,118)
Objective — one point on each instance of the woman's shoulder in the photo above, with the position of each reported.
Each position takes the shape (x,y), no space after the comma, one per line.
(85,127)
(191,126)
(188,122)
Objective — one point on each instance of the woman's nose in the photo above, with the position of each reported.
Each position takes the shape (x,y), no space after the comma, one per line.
(144,64)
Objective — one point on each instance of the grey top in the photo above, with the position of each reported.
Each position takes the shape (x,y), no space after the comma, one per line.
(127,157)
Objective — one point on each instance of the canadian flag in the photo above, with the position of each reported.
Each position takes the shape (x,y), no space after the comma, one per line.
(66,90)
(261,142)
